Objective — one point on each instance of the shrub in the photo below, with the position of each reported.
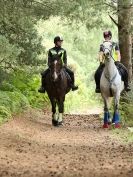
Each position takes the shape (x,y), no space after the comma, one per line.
(5,114)
(126,107)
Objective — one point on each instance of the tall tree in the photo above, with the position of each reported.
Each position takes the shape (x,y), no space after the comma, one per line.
(124,29)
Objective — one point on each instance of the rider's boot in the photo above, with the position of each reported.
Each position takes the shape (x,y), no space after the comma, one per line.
(74,87)
(124,73)
(98,90)
(126,84)
(127,87)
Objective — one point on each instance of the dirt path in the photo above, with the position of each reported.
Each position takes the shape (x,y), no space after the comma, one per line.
(31,147)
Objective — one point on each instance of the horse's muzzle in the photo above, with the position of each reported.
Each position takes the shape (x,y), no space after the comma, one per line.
(107,54)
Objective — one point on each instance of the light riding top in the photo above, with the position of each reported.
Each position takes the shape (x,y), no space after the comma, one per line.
(114,51)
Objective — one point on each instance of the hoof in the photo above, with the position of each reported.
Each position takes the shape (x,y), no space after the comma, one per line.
(60,123)
(117,125)
(54,122)
(105,126)
(109,123)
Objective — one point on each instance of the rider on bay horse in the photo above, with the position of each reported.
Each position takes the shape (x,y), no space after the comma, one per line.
(117,58)
(54,51)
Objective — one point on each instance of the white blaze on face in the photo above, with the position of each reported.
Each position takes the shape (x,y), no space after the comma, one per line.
(55,73)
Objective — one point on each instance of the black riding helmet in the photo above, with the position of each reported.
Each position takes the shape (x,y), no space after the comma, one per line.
(107,34)
(58,38)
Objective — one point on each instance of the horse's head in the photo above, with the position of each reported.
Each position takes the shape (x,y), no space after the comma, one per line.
(56,67)
(107,49)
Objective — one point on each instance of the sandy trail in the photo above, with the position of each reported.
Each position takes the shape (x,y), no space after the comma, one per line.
(31,147)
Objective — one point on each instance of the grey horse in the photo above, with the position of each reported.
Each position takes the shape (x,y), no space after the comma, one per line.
(111,85)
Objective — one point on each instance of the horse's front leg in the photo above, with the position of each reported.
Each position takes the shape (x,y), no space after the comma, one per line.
(116,116)
(54,115)
(107,120)
(61,110)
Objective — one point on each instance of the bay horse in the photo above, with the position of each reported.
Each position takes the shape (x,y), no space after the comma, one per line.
(57,86)
(111,85)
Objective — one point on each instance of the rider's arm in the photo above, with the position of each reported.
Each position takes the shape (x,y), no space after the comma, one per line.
(65,58)
(49,58)
(101,56)
(117,51)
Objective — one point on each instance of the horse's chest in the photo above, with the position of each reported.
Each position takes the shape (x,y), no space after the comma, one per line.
(55,91)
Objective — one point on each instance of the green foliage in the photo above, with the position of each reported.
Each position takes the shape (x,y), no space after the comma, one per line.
(27,83)
(8,54)
(13,101)
(82,53)
(127,108)
(27,29)
(5,114)
(19,41)
(19,93)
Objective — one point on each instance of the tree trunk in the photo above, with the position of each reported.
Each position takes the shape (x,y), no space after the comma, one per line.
(125,39)
(132,54)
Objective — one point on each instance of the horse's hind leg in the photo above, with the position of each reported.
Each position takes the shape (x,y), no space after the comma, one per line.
(116,117)
(106,113)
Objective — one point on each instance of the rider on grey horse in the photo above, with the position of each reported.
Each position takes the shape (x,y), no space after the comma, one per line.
(54,51)
(117,57)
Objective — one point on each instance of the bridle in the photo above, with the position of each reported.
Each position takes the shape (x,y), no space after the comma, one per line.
(110,55)
(110,51)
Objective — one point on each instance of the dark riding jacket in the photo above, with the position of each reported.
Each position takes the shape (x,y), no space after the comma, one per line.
(57,50)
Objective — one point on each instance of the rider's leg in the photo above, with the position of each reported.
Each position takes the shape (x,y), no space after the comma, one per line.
(71,73)
(43,74)
(124,73)
(97,76)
